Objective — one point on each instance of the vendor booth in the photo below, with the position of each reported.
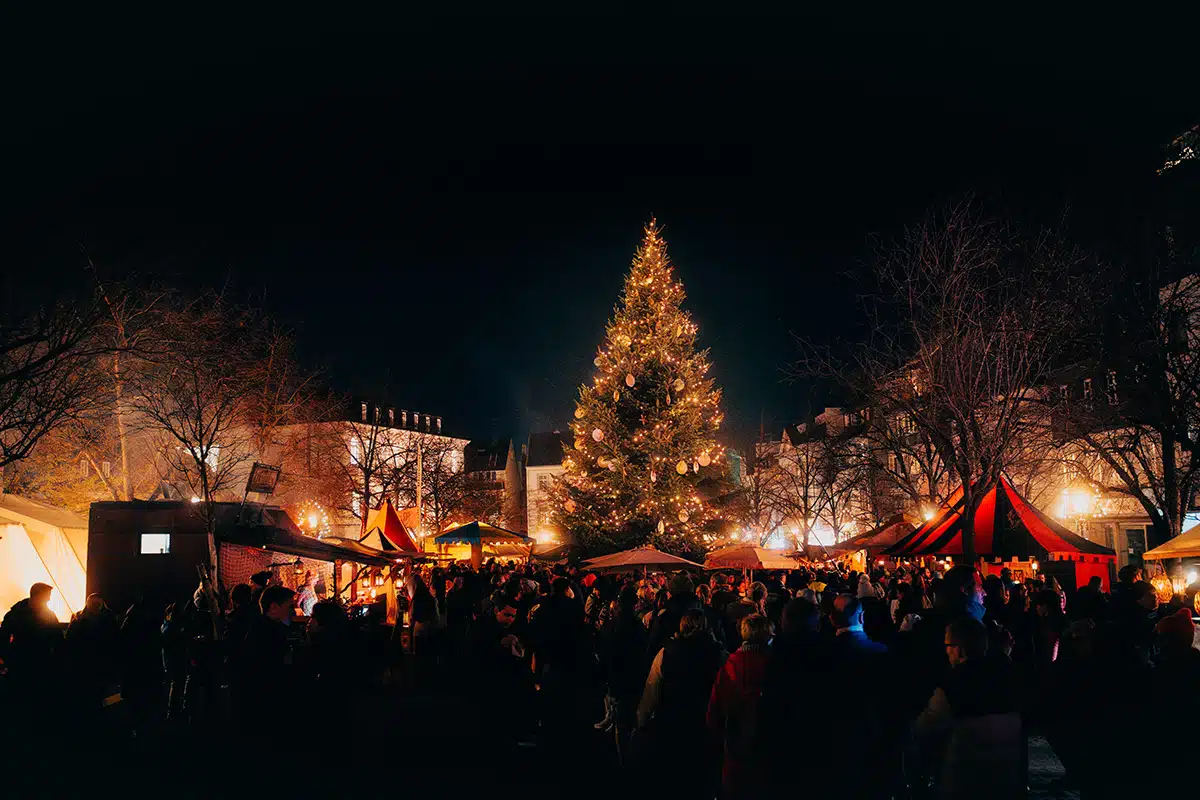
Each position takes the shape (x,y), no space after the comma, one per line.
(471,540)
(865,548)
(40,543)
(1185,545)
(1010,532)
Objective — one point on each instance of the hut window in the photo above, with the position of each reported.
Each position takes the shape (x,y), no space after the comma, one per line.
(155,543)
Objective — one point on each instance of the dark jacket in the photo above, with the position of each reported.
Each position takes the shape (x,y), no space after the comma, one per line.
(666,624)
(29,636)
(688,668)
(623,648)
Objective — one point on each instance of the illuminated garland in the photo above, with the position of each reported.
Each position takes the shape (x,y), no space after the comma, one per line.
(312,519)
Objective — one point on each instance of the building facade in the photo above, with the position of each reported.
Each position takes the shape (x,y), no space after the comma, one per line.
(543,466)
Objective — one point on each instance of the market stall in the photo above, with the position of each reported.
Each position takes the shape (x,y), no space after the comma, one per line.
(643,558)
(470,541)
(865,548)
(1010,533)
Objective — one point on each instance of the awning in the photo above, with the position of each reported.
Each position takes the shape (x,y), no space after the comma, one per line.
(1185,545)
(744,556)
(879,538)
(481,533)
(277,532)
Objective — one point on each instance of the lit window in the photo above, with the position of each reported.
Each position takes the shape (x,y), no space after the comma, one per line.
(156,543)
(392,417)
(376,415)
(403,418)
(364,412)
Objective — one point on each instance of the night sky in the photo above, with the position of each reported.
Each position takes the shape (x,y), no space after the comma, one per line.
(444,212)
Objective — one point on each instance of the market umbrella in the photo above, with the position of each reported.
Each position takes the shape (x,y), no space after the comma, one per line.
(745,556)
(639,558)
(1185,545)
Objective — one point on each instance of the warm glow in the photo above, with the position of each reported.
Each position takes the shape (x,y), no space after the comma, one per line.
(545,536)
(195,499)
(1075,502)
(312,520)
(929,512)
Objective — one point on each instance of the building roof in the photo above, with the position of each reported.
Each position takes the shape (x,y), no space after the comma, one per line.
(546,449)
(486,454)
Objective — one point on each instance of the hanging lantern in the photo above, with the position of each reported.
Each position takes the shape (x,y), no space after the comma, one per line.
(681,468)
(705,459)
(570,506)
(1163,590)
(683,516)
(661,526)
(679,384)
(630,380)
(579,413)
(598,435)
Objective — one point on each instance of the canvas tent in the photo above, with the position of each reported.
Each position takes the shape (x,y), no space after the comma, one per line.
(877,539)
(1185,545)
(42,544)
(1008,528)
(386,531)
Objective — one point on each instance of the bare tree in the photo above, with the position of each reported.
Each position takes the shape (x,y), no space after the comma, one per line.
(968,321)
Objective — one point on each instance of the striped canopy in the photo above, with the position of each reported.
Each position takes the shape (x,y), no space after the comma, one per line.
(1006,526)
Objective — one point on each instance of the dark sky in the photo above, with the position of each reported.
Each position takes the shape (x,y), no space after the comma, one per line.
(445,210)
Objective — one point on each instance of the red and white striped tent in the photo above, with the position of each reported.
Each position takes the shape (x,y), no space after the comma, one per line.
(1008,528)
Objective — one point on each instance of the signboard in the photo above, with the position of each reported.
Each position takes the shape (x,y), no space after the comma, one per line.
(263,479)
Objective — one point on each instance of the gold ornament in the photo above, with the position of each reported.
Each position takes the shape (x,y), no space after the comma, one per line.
(661,526)
(570,506)
(630,380)
(598,435)
(602,462)
(705,459)
(681,468)
(668,398)
(578,442)
(596,361)
(679,384)
(696,467)
(579,413)
(683,517)
(678,329)
(616,396)
(653,476)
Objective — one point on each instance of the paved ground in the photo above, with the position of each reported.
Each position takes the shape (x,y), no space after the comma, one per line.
(1045,771)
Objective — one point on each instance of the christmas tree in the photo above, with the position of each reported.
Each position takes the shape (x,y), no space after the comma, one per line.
(644,461)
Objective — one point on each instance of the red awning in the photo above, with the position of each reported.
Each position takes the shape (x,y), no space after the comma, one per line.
(1006,526)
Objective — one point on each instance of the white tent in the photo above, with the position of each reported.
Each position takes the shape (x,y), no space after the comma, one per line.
(42,544)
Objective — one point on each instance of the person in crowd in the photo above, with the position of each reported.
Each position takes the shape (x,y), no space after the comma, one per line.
(623,649)
(671,714)
(141,666)
(241,615)
(969,737)
(1090,601)
(995,599)
(29,636)
(1006,579)
(306,594)
(681,597)
(851,642)
(722,595)
(334,655)
(563,666)
(91,650)
(258,584)
(266,658)
(658,606)
(733,710)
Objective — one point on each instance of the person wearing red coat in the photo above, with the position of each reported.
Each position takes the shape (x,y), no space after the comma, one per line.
(733,709)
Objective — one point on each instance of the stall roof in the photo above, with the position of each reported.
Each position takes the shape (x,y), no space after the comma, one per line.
(480,532)
(277,532)
(1185,545)
(1006,526)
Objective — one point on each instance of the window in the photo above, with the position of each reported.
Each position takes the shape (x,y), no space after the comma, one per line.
(376,415)
(155,543)
(891,462)
(392,417)
(426,422)
(1064,395)
(544,482)
(1110,387)
(403,418)
(1087,388)
(364,412)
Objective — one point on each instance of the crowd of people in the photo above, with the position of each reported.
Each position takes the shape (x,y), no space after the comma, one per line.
(905,682)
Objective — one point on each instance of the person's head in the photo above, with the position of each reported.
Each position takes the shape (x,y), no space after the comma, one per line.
(800,616)
(261,579)
(39,594)
(755,629)
(1047,604)
(1127,575)
(847,612)
(660,599)
(326,616)
(704,594)
(681,586)
(241,595)
(309,579)
(692,623)
(1053,585)
(1006,575)
(276,603)
(758,593)
(1018,597)
(559,587)
(966,639)
(993,589)
(1176,632)
(959,585)
(506,613)
(1095,583)
(94,604)
(1143,595)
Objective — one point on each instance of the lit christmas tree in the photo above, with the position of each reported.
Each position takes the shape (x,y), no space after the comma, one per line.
(644,429)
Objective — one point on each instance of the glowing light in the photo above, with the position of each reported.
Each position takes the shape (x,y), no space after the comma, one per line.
(928,512)
(195,499)
(1075,502)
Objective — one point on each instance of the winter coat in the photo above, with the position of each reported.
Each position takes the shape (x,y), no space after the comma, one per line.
(733,714)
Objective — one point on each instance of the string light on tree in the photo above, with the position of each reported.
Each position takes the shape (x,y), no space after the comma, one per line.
(660,426)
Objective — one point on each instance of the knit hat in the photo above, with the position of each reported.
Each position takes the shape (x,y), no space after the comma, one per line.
(1178,628)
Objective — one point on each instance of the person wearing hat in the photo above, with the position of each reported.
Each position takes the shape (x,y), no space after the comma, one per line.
(29,635)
